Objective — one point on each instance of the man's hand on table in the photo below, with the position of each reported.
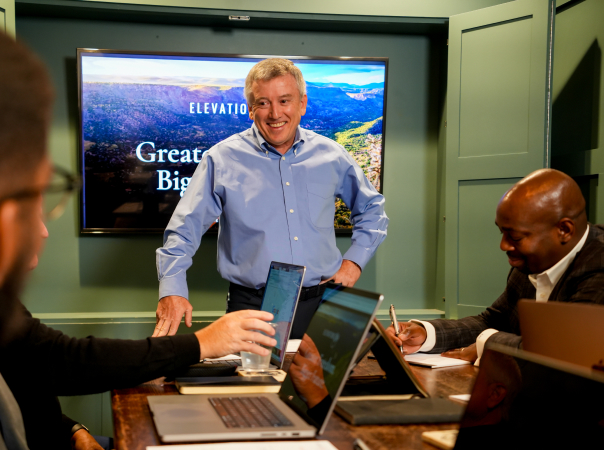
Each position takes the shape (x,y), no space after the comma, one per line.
(348,274)
(469,353)
(82,440)
(169,313)
(412,336)
(235,332)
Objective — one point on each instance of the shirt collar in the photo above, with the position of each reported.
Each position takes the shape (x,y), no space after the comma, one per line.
(266,147)
(555,272)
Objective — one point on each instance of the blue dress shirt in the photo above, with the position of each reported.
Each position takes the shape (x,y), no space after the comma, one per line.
(272,207)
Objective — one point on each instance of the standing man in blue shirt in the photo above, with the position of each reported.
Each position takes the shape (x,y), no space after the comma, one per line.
(273,187)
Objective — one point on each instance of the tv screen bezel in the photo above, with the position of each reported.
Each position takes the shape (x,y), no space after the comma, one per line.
(214,229)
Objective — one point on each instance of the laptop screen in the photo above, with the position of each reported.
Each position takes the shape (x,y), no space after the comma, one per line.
(522,400)
(327,351)
(280,298)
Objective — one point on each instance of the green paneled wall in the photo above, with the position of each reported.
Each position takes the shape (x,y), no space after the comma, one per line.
(483,267)
(578,100)
(95,274)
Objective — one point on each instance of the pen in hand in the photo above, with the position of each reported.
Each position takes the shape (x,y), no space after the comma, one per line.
(395,325)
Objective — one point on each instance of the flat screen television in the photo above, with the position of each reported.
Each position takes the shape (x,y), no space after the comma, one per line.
(147,118)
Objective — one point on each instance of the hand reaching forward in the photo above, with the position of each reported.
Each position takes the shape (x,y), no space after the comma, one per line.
(348,274)
(412,336)
(235,332)
(169,313)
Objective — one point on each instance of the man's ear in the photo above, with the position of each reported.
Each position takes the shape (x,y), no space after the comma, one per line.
(566,230)
(9,239)
(304,103)
(250,112)
(497,393)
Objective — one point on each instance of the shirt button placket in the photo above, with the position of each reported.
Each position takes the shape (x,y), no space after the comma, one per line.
(291,210)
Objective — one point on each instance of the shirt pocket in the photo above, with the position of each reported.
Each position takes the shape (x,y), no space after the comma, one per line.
(321,204)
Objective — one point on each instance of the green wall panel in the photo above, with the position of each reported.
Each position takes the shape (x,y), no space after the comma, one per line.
(7,16)
(578,105)
(493,118)
(483,267)
(498,105)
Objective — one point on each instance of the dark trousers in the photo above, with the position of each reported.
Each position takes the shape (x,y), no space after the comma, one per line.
(241,297)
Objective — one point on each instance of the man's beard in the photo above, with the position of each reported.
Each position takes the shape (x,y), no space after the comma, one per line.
(11,310)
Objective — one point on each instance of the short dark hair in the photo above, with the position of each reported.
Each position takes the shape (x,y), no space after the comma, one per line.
(26,97)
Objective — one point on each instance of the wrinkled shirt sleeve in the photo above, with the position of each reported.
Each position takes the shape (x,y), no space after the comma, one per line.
(367,213)
(196,212)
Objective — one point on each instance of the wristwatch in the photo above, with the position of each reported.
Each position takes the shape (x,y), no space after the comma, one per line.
(78,427)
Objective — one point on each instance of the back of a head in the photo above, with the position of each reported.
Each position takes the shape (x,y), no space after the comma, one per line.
(25,109)
(270,68)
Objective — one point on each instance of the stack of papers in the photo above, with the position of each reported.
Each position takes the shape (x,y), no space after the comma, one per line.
(434,361)
(231,357)
(274,445)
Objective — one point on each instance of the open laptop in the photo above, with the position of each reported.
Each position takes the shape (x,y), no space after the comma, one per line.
(309,393)
(572,332)
(522,400)
(281,296)
(397,398)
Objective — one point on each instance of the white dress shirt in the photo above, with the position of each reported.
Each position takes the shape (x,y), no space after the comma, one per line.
(544,284)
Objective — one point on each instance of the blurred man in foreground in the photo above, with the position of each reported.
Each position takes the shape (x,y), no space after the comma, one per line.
(37,362)
(555,256)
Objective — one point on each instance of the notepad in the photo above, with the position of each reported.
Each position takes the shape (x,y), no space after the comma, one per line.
(434,361)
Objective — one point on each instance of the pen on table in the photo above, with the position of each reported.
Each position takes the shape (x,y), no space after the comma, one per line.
(395,325)
(359,445)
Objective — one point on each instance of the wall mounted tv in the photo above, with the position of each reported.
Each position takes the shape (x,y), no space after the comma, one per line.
(147,118)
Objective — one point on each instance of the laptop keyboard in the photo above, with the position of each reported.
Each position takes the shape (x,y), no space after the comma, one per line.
(248,412)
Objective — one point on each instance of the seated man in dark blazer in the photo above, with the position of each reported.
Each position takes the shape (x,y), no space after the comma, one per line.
(38,363)
(555,256)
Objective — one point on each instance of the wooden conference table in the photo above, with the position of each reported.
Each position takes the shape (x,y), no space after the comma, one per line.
(134,430)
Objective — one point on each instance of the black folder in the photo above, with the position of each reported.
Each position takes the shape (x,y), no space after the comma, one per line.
(397,398)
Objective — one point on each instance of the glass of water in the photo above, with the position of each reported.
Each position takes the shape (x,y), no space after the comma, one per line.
(253,362)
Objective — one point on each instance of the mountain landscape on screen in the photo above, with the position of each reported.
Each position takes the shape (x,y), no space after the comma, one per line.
(127,120)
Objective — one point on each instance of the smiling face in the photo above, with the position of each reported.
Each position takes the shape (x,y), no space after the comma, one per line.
(531,243)
(277,110)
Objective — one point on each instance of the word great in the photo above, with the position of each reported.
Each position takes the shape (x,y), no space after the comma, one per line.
(217,108)
(166,180)
(173,155)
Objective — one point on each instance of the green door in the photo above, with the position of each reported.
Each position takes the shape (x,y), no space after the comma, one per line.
(7,16)
(498,128)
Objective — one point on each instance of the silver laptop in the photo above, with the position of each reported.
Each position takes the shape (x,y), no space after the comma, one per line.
(307,397)
(281,296)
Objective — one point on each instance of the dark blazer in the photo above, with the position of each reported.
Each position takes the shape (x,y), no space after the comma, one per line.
(583,281)
(41,363)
